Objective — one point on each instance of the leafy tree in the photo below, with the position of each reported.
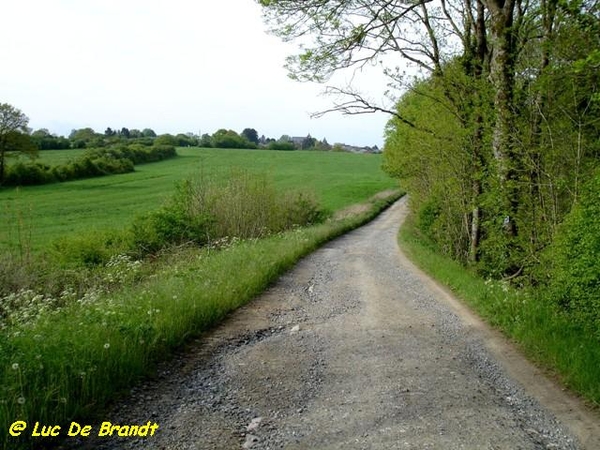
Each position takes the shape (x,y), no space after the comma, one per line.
(135,134)
(230,139)
(308,142)
(43,140)
(14,137)
(166,139)
(85,138)
(148,132)
(205,141)
(251,135)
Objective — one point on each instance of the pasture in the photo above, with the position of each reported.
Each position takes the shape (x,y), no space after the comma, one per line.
(37,215)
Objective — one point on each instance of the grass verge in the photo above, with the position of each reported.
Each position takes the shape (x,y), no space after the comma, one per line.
(71,363)
(547,335)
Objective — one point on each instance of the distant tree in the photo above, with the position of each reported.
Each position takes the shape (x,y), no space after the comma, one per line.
(230,139)
(251,135)
(109,132)
(148,132)
(308,142)
(14,137)
(84,137)
(125,133)
(44,140)
(205,141)
(323,145)
(166,139)
(135,134)
(186,140)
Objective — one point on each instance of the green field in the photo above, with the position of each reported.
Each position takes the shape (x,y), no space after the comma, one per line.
(50,211)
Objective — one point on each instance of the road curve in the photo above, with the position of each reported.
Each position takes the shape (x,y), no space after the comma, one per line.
(354,349)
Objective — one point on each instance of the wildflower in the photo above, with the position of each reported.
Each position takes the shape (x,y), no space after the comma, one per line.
(63,400)
(107,346)
(21,400)
(15,366)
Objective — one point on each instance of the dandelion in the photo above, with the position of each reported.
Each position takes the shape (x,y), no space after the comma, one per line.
(21,400)
(107,346)
(15,366)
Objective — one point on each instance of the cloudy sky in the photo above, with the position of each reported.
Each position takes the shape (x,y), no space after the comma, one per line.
(171,65)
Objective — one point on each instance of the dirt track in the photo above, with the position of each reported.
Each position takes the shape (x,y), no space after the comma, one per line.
(354,349)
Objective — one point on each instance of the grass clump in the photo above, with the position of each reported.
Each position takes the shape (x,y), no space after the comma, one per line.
(546,332)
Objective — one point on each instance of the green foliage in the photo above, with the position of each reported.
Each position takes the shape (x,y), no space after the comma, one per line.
(281,145)
(92,163)
(14,137)
(230,139)
(432,162)
(574,275)
(251,135)
(208,209)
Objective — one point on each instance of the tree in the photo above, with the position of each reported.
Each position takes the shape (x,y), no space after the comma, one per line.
(308,142)
(14,137)
(148,132)
(84,137)
(251,135)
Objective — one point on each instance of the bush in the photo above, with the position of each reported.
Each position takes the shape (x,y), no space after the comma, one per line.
(206,210)
(93,163)
(574,275)
(27,174)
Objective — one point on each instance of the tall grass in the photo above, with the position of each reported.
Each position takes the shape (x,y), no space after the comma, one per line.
(545,333)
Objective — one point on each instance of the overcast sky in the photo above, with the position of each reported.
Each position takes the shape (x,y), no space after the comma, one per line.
(170,65)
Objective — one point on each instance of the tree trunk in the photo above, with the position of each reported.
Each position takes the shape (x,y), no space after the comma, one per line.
(479,59)
(502,78)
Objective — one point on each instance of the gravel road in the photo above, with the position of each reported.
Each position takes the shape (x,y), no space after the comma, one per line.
(353,349)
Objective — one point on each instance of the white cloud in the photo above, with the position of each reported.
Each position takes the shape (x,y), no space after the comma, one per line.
(174,66)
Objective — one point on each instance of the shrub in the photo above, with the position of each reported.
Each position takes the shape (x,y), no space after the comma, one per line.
(206,210)
(26,174)
(574,275)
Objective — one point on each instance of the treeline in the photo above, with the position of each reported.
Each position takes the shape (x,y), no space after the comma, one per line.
(93,163)
(222,138)
(499,148)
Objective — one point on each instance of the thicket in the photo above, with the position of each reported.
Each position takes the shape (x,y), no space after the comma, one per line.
(93,163)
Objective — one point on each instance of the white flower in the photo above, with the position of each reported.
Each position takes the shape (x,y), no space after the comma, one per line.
(107,346)
(21,400)
(15,366)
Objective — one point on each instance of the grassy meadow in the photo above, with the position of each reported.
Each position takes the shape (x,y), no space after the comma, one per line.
(39,214)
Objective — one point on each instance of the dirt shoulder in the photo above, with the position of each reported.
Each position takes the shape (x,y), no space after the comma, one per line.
(353,349)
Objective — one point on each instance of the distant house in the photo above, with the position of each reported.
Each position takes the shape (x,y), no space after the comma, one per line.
(297,140)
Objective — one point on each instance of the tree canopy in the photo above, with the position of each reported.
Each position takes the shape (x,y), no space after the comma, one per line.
(14,135)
